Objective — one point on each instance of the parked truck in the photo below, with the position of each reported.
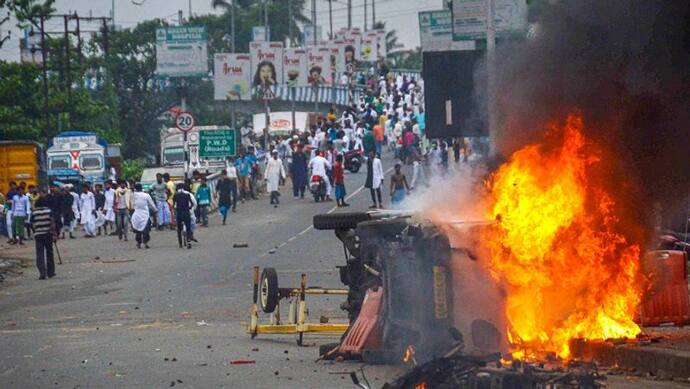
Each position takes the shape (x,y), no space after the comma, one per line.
(22,160)
(77,156)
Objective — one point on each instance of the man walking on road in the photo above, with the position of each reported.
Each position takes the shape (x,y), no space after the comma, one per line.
(224,189)
(298,172)
(182,201)
(160,197)
(20,211)
(141,218)
(374,179)
(203,199)
(273,174)
(231,174)
(122,206)
(44,236)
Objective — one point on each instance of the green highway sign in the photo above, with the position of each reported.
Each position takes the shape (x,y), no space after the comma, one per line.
(217,143)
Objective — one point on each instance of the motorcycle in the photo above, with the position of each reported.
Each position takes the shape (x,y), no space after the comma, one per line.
(317,187)
(353,160)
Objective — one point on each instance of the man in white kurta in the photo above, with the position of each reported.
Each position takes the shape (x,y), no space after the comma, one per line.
(87,206)
(273,174)
(109,206)
(141,220)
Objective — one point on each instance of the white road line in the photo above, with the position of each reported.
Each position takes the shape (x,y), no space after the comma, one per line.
(292,238)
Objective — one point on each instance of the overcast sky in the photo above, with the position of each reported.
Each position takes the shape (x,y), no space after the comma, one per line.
(400,15)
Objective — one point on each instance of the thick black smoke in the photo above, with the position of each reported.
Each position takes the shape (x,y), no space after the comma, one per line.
(625,66)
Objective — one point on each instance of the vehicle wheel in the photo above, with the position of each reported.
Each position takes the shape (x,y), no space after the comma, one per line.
(339,221)
(268,290)
(354,167)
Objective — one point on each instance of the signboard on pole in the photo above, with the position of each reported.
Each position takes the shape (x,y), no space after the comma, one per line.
(280,122)
(185,121)
(181,51)
(261,34)
(436,32)
(308,34)
(267,62)
(231,76)
(295,66)
(337,59)
(220,143)
(469,18)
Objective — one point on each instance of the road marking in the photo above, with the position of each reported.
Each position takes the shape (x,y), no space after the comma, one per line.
(292,238)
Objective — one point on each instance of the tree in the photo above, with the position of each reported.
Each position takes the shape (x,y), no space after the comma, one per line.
(392,44)
(29,10)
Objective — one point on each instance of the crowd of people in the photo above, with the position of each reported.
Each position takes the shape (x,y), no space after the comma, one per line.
(389,117)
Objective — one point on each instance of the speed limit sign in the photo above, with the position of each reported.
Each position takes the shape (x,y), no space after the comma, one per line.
(184,121)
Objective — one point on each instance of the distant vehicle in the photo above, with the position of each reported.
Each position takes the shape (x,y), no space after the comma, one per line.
(22,160)
(77,156)
(172,149)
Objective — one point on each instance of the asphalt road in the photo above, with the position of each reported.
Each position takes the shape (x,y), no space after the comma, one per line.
(121,317)
(118,316)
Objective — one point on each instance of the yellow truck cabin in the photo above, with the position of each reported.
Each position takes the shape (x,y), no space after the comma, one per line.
(21,160)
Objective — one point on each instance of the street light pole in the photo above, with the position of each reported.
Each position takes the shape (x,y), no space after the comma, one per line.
(373,14)
(268,37)
(349,14)
(313,19)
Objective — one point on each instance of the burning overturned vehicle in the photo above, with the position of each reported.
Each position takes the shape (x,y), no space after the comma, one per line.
(551,274)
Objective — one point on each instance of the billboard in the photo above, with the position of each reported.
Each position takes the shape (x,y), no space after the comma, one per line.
(352,39)
(469,18)
(280,122)
(337,59)
(295,66)
(436,32)
(181,51)
(319,65)
(369,50)
(232,76)
(267,63)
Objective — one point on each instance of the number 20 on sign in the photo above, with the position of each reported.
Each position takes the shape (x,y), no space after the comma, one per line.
(184,121)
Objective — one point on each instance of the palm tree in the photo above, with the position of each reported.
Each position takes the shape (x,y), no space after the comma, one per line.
(391,37)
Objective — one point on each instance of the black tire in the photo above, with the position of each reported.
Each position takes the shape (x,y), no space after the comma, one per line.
(268,290)
(339,221)
(354,167)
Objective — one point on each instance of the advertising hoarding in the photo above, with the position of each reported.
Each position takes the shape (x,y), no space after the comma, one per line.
(232,76)
(181,51)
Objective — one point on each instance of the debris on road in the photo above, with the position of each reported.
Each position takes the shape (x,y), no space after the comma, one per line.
(202,323)
(240,245)
(242,362)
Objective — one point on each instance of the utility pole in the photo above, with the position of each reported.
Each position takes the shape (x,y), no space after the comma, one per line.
(180,17)
(190,9)
(290,22)
(78,33)
(313,19)
(330,17)
(68,70)
(232,25)
(366,24)
(491,64)
(45,76)
(268,35)
(373,14)
(349,14)
(112,15)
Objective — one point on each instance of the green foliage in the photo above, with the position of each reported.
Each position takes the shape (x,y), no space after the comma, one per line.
(132,169)
(29,10)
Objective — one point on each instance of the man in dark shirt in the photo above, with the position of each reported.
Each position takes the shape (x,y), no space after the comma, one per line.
(44,235)
(54,199)
(100,202)
(182,201)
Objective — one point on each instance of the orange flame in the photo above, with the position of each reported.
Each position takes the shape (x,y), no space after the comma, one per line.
(557,249)
(409,354)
